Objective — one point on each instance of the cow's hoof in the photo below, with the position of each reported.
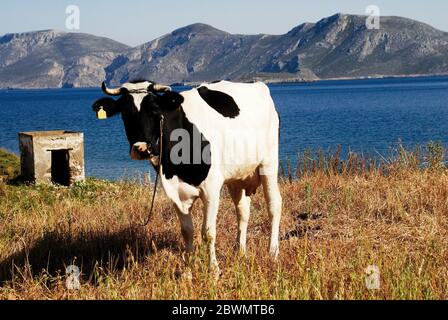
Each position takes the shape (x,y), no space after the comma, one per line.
(274,252)
(240,250)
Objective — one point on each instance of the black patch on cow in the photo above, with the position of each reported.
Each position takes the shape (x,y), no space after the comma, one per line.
(170,101)
(221,102)
(195,171)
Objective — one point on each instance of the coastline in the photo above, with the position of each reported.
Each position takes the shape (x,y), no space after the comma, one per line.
(267,81)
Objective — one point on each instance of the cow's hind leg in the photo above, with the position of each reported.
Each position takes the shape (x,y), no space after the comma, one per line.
(274,202)
(242,206)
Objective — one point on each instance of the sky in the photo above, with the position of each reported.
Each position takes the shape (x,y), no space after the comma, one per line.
(135,22)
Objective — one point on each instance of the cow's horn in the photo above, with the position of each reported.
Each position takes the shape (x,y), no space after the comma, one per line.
(161,88)
(111,92)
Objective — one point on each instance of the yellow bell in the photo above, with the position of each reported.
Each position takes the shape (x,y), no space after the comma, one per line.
(101,114)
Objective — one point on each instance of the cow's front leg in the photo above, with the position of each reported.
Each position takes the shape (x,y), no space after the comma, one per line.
(211,203)
(187,228)
(210,231)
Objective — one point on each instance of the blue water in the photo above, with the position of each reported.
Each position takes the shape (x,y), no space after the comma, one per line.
(368,116)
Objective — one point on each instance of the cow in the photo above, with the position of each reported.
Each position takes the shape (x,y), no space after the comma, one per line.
(199,140)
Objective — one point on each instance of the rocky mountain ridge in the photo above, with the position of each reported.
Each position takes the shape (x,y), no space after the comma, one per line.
(339,46)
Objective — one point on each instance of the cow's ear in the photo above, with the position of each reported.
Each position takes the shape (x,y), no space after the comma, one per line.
(109,105)
(170,101)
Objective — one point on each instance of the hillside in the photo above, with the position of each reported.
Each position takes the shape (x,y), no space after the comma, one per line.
(339,46)
(52,58)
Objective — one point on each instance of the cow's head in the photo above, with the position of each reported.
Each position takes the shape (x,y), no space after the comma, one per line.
(141,104)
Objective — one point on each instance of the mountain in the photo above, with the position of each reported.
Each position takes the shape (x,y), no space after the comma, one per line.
(200,52)
(50,58)
(342,46)
(339,46)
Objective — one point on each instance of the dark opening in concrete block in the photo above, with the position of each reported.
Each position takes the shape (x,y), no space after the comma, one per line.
(52,156)
(60,167)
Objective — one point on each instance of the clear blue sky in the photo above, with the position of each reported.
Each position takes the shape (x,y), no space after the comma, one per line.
(137,21)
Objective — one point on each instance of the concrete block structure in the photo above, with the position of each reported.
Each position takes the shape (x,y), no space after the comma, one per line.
(52,156)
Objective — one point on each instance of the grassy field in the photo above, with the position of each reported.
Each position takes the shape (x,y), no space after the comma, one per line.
(339,218)
(9,165)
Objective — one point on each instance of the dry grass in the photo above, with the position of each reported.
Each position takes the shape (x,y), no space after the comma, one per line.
(336,222)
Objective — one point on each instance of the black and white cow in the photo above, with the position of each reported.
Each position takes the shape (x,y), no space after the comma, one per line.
(216,134)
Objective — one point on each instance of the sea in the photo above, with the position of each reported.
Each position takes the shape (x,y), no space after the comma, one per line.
(370,117)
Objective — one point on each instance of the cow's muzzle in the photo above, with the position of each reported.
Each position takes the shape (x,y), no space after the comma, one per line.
(142,151)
